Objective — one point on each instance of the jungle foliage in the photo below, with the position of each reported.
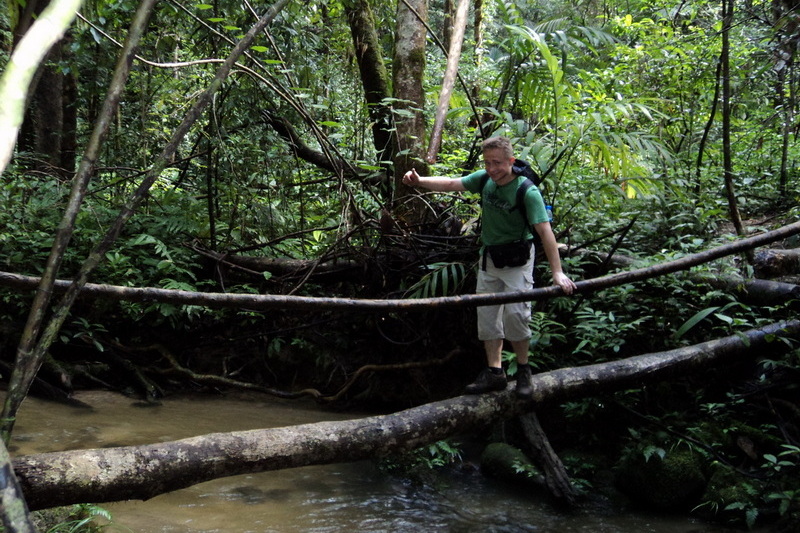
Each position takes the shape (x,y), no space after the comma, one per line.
(619,106)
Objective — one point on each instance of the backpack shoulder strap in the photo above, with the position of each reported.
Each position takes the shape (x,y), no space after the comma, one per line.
(523,211)
(484,181)
(523,187)
(521,190)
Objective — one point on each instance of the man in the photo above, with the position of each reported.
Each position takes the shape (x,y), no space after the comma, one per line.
(503,229)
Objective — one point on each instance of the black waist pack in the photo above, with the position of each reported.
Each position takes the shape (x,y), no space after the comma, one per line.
(513,254)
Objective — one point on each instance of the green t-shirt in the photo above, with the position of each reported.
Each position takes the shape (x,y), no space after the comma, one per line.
(501,222)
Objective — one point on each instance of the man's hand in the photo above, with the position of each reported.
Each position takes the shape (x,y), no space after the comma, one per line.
(411,178)
(566,284)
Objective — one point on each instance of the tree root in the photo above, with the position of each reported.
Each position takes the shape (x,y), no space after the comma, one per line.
(212,379)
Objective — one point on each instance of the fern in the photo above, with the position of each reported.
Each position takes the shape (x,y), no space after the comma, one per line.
(442,280)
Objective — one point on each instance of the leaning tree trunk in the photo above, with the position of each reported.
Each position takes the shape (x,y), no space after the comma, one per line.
(142,472)
(555,474)
(456,40)
(29,356)
(17,77)
(20,72)
(29,361)
(12,503)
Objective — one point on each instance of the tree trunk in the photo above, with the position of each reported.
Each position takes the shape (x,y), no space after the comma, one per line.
(20,76)
(69,131)
(12,503)
(727,95)
(45,116)
(456,41)
(374,76)
(701,147)
(408,73)
(785,99)
(49,127)
(142,472)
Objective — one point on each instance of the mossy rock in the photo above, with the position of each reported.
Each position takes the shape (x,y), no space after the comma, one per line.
(508,463)
(672,483)
(727,486)
(730,496)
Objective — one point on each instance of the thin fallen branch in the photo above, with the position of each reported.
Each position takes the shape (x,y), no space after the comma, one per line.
(753,291)
(268,302)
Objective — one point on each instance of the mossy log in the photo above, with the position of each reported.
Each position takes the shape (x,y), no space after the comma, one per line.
(776,263)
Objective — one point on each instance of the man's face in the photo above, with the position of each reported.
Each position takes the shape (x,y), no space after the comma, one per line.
(498,165)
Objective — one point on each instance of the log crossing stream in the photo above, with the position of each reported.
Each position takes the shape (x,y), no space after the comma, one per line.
(354,497)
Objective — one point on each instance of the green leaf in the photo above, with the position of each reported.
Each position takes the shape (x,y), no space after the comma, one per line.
(752,515)
(142,238)
(697,318)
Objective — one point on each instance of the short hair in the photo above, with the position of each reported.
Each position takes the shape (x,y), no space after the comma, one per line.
(498,143)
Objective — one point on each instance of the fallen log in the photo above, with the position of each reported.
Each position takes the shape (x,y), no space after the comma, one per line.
(258,302)
(774,263)
(281,266)
(555,475)
(142,472)
(754,291)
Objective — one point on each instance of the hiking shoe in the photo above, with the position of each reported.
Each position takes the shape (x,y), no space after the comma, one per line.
(487,381)
(524,387)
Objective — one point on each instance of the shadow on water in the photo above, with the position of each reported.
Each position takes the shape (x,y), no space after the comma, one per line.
(353,497)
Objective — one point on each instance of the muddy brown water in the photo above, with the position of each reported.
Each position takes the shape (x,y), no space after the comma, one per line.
(351,498)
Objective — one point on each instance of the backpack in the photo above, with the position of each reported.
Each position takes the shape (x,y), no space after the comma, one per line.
(521,168)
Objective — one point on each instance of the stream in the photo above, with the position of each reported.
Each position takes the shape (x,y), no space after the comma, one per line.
(352,497)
